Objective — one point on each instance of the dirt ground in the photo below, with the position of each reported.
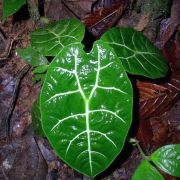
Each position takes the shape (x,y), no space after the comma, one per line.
(24,155)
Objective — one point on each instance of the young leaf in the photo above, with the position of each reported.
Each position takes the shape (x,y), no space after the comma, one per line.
(36,118)
(167,158)
(11,6)
(86,107)
(146,171)
(39,78)
(138,55)
(51,39)
(32,56)
(40,69)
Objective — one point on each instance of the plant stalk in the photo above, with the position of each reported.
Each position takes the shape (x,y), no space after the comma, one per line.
(135,142)
(34,11)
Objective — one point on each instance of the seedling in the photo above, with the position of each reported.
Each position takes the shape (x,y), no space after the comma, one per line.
(86,98)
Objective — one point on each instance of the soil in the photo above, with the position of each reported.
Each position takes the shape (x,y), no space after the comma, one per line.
(23,154)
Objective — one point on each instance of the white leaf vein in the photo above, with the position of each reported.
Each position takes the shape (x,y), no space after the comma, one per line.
(107,111)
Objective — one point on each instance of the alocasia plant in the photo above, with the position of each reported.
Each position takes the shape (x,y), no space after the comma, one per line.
(86,107)
(86,99)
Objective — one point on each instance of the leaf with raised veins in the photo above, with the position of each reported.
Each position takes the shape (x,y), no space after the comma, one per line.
(167,158)
(53,38)
(137,54)
(86,107)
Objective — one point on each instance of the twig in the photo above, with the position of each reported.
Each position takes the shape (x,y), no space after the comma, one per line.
(9,46)
(135,142)
(7,118)
(34,12)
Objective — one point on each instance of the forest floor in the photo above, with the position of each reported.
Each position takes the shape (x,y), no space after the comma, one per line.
(23,155)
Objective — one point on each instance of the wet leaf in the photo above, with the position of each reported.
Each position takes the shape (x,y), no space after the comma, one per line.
(137,54)
(167,158)
(86,107)
(146,171)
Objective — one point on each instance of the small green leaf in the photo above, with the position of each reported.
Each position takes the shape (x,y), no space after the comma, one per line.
(146,171)
(167,158)
(40,69)
(36,118)
(39,77)
(51,39)
(138,55)
(11,6)
(86,107)
(32,56)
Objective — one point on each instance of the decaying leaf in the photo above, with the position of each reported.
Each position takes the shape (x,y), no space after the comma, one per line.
(171,51)
(105,15)
(157,99)
(170,25)
(21,159)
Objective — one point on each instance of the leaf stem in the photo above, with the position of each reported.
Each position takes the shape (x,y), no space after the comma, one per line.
(135,142)
(34,11)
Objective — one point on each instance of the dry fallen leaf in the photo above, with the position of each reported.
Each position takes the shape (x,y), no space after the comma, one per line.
(104,17)
(156,99)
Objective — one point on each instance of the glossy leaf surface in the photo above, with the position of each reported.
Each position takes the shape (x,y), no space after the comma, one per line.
(11,6)
(146,171)
(138,55)
(51,39)
(86,107)
(36,118)
(167,158)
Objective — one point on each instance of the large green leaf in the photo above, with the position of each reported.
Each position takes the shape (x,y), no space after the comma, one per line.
(167,158)
(51,39)
(86,107)
(11,6)
(146,171)
(138,55)
(36,118)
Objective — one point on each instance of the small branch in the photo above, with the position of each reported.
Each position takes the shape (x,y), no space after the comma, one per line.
(135,142)
(34,11)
